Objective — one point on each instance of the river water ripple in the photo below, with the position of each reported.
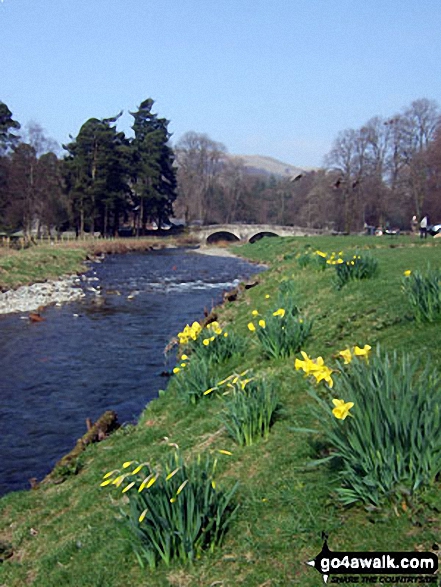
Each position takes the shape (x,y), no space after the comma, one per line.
(103,352)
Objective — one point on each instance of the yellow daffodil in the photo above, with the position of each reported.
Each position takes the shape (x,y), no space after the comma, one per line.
(324,374)
(129,486)
(215,327)
(107,482)
(251,327)
(306,365)
(262,323)
(321,254)
(117,482)
(170,475)
(138,468)
(225,334)
(280,312)
(181,487)
(225,452)
(208,391)
(152,481)
(144,483)
(206,341)
(407,272)
(225,380)
(255,313)
(142,516)
(364,352)
(127,464)
(184,358)
(176,370)
(346,355)
(110,473)
(267,296)
(341,409)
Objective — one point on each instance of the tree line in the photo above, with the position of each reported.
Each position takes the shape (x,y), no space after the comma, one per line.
(104,181)
(380,174)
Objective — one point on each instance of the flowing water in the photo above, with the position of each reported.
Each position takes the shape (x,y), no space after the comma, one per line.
(104,352)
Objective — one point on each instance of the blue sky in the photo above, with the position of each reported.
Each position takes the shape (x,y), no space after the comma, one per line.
(272,77)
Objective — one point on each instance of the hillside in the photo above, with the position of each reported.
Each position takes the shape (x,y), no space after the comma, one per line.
(259,164)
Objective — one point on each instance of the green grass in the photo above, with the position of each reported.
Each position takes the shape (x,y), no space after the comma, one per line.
(38,264)
(72,533)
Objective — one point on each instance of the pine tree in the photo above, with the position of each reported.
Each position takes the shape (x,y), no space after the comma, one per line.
(96,171)
(7,138)
(153,173)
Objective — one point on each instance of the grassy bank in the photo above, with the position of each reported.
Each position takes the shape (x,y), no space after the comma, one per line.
(42,262)
(72,533)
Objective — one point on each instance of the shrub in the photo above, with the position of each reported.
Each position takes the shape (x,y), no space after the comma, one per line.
(250,409)
(424,294)
(176,509)
(389,444)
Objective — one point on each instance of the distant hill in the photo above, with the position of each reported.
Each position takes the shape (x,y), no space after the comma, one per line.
(258,164)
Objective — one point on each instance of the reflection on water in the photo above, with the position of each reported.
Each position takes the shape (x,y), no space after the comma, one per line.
(104,352)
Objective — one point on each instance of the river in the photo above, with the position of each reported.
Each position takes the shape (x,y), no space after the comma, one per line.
(103,352)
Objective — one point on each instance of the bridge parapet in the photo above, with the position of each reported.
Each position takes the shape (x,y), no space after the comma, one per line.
(247,232)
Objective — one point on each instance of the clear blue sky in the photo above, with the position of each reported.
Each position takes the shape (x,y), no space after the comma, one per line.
(272,77)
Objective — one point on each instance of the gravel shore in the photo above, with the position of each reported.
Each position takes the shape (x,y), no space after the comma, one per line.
(28,298)
(214,251)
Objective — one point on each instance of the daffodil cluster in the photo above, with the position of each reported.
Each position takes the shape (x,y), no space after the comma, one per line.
(280,332)
(314,367)
(230,382)
(319,259)
(354,268)
(335,259)
(317,369)
(189,333)
(182,365)
(250,408)
(168,491)
(356,351)
(423,292)
(214,330)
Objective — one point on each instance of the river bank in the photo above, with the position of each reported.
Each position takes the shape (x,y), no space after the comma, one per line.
(32,290)
(30,298)
(41,263)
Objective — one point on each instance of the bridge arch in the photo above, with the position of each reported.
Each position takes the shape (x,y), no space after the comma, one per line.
(221,235)
(256,237)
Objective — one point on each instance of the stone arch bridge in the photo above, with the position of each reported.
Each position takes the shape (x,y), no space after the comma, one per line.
(247,232)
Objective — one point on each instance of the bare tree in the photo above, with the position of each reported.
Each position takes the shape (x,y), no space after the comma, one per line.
(233,187)
(34,135)
(200,161)
(347,159)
